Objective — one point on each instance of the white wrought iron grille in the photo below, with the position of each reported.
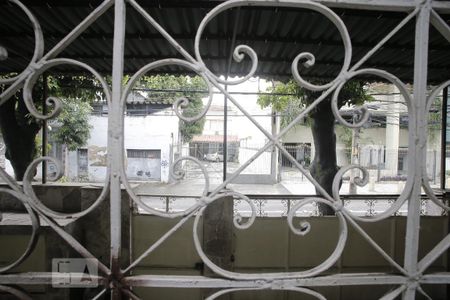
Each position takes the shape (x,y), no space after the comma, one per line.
(409,276)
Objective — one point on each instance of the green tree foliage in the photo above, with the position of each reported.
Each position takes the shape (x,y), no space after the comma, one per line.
(73,124)
(289,99)
(170,88)
(188,130)
(20,129)
(77,87)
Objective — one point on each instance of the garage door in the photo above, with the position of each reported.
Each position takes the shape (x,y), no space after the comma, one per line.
(144,164)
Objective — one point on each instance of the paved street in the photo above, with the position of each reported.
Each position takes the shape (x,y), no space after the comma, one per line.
(292,180)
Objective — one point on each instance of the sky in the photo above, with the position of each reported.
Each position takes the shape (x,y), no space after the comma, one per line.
(248,102)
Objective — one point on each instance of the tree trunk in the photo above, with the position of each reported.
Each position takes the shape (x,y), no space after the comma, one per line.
(19,132)
(324,166)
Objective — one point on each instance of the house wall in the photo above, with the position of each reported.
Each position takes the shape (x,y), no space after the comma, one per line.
(239,125)
(368,136)
(374,136)
(153,132)
(214,125)
(243,128)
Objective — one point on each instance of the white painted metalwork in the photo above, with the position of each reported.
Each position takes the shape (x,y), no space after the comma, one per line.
(275,206)
(410,276)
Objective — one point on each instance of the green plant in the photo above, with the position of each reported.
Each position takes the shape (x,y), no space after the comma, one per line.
(20,128)
(73,129)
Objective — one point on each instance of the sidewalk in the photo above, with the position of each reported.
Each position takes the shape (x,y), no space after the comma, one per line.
(195,187)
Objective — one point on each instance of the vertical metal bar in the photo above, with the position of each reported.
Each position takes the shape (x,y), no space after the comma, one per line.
(434,166)
(444,135)
(379,165)
(443,160)
(115,140)
(288,246)
(393,240)
(225,104)
(287,260)
(274,153)
(417,143)
(445,198)
(44,126)
(225,133)
(354,158)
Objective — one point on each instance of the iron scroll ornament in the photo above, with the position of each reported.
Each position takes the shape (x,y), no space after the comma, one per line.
(268,280)
(39,69)
(425,181)
(332,87)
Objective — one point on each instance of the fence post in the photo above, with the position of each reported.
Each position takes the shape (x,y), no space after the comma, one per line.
(434,165)
(218,235)
(379,165)
(444,135)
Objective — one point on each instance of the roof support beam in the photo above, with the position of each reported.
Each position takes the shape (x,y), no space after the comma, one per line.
(392,5)
(261,60)
(440,25)
(23,37)
(385,5)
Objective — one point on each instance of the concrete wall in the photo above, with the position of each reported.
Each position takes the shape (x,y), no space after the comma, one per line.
(92,231)
(245,129)
(267,246)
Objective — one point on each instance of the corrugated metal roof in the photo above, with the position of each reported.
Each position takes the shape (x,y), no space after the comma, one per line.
(277,36)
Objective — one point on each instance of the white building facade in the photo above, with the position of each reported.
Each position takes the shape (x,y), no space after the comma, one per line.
(148,143)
